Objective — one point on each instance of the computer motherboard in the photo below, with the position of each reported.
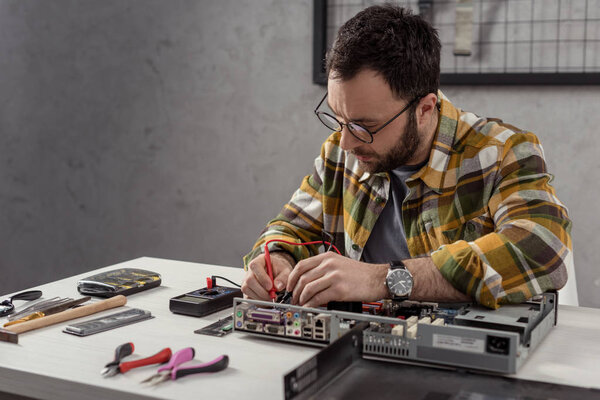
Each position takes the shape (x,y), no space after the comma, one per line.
(460,335)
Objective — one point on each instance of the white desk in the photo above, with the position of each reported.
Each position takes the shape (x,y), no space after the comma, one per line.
(50,364)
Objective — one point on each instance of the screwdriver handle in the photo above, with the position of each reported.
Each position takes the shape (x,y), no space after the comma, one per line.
(216,365)
(29,317)
(159,358)
(183,355)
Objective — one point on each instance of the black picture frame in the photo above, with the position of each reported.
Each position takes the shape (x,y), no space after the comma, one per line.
(448,79)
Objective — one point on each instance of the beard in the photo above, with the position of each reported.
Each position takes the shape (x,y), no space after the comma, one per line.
(399,154)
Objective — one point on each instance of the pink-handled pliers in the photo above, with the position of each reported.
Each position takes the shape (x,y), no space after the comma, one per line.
(173,370)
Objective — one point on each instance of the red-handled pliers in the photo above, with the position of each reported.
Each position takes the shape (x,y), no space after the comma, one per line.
(116,366)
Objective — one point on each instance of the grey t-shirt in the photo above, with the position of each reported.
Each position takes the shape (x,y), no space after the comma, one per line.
(387,241)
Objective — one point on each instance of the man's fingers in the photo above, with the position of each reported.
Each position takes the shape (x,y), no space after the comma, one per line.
(282,273)
(281,280)
(316,293)
(311,275)
(253,288)
(259,269)
(252,295)
(301,268)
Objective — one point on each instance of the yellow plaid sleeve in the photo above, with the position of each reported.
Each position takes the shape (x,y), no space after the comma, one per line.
(526,253)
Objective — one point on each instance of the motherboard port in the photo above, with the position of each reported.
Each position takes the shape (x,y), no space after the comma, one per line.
(274,329)
(264,315)
(307,332)
(309,319)
(253,326)
(322,321)
(293,331)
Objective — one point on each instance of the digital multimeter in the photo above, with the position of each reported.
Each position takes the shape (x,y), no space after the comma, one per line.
(204,301)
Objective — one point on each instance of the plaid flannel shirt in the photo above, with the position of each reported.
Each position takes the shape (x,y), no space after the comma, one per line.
(482,209)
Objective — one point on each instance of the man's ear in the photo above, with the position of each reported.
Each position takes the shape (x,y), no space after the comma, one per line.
(426,109)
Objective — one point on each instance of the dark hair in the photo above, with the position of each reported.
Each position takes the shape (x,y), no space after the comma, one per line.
(403,48)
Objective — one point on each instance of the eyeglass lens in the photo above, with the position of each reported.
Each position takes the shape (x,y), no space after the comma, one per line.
(7,307)
(329,121)
(332,123)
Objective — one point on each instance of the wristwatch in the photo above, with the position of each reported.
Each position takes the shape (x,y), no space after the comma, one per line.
(399,281)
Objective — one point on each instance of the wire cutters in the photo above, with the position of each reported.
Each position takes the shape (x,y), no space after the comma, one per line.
(116,366)
(173,371)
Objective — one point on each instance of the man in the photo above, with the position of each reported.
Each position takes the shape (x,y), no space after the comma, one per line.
(425,201)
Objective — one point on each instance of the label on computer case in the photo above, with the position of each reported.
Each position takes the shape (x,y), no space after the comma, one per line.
(458,343)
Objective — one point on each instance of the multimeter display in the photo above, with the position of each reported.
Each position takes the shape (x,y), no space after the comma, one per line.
(204,301)
(192,299)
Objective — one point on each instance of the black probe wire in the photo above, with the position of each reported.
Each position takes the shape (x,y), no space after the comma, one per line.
(225,279)
(286,296)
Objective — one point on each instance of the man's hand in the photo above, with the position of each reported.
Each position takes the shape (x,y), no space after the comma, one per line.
(331,277)
(257,283)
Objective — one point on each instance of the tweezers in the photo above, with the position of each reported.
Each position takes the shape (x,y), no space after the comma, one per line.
(39,306)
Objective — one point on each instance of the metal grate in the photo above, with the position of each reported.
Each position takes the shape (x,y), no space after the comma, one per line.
(513,41)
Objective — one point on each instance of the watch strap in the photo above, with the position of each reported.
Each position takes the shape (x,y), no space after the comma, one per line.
(397,265)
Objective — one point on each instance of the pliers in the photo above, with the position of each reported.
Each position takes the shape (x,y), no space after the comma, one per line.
(122,351)
(173,371)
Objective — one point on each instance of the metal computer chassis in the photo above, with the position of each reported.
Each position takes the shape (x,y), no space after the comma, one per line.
(474,338)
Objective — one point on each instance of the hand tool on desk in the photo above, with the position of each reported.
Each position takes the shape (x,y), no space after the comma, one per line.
(164,372)
(7,307)
(40,305)
(176,372)
(116,366)
(121,352)
(216,365)
(11,333)
(49,311)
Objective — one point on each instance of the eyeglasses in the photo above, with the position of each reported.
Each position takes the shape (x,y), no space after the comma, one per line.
(7,307)
(357,130)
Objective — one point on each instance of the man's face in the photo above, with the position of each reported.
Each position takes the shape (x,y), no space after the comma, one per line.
(368,100)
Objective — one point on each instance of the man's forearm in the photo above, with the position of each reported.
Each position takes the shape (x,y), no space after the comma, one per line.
(429,284)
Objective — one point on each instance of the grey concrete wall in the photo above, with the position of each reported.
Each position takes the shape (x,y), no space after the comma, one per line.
(177,128)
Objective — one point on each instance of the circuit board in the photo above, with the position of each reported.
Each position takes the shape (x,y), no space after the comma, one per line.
(462,335)
(220,328)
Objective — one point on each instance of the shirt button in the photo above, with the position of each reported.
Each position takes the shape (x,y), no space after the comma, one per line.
(355,247)
(379,200)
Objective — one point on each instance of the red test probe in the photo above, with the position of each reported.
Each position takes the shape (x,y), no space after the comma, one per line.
(272,292)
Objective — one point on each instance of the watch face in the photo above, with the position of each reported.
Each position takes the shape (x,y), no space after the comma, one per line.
(399,282)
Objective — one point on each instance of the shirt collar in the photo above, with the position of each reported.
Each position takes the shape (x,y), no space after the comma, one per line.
(435,174)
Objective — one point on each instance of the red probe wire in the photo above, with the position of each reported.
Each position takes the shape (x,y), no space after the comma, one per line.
(272,291)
